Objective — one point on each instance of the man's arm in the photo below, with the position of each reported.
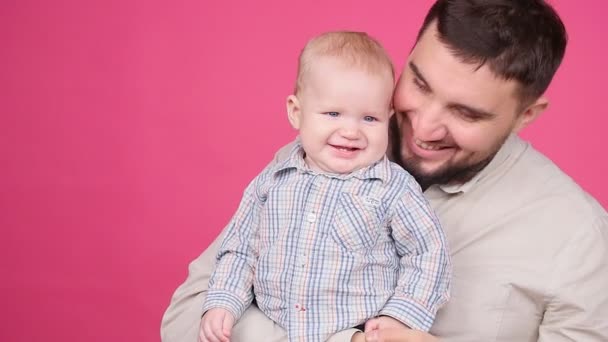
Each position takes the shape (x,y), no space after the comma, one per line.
(181,320)
(578,307)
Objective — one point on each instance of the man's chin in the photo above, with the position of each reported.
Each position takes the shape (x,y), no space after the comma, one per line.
(424,176)
(448,173)
(423,170)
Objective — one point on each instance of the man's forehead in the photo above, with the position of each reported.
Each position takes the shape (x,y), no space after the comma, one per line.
(455,80)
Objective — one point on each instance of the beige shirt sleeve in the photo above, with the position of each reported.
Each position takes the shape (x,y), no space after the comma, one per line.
(578,309)
(181,320)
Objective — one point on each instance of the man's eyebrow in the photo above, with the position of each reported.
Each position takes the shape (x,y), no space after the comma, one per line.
(473,112)
(418,74)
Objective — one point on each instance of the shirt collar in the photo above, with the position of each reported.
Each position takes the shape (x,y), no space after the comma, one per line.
(295,161)
(513,146)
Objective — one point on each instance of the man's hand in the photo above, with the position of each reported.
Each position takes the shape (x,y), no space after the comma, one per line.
(388,329)
(216,326)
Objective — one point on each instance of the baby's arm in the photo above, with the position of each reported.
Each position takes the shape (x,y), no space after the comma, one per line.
(231,284)
(425,269)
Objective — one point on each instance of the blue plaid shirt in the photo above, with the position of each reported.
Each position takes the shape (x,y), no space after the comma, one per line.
(323,253)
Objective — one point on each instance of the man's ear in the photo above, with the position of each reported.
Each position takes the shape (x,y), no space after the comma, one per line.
(294,111)
(530,113)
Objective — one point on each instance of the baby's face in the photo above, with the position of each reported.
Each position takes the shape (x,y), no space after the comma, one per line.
(343,116)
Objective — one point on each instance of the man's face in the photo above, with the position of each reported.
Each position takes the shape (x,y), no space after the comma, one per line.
(452,117)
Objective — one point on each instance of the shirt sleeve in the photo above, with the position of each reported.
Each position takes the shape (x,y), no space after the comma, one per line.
(578,307)
(425,268)
(231,283)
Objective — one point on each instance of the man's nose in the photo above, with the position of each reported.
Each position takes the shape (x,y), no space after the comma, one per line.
(429,122)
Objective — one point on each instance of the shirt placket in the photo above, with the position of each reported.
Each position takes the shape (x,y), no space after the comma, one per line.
(304,268)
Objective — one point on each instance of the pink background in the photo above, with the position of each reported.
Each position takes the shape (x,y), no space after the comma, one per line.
(130,128)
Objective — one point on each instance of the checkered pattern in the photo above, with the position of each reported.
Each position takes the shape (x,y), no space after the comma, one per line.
(323,253)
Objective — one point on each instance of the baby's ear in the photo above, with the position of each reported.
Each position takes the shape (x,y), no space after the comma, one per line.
(293,111)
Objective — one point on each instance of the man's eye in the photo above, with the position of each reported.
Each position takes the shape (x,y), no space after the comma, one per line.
(333,114)
(468,116)
(420,85)
(369,118)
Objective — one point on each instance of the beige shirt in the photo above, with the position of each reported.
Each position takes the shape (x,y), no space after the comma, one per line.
(529,252)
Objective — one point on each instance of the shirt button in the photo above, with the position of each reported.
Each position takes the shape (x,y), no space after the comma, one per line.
(311,217)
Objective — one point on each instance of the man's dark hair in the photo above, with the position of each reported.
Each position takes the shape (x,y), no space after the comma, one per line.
(522,40)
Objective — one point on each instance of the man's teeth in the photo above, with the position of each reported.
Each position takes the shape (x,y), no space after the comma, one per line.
(426,146)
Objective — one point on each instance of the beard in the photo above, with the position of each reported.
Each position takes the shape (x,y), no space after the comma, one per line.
(449,173)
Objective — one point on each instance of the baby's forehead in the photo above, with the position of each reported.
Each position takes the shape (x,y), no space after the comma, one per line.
(323,68)
(346,63)
(317,66)
(350,94)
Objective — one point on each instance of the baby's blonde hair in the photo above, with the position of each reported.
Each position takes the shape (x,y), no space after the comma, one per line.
(356,49)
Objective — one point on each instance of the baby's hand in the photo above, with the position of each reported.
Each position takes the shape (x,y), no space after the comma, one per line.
(216,326)
(387,329)
(383,322)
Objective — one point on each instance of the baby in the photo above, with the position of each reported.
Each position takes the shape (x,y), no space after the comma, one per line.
(335,234)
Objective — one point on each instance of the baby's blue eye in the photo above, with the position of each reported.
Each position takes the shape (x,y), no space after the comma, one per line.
(334,114)
(369,118)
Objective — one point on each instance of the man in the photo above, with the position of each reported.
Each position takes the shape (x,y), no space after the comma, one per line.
(529,247)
